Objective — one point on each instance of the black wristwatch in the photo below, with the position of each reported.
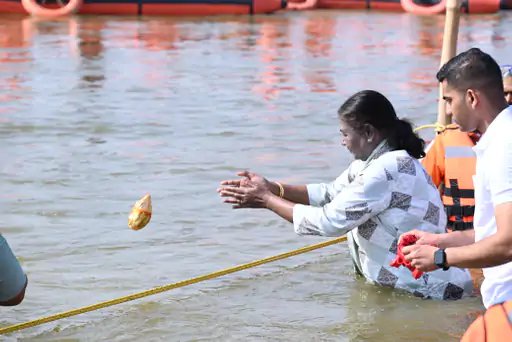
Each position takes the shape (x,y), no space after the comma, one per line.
(440,259)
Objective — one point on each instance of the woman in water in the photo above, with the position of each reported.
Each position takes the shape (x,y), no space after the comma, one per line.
(383,193)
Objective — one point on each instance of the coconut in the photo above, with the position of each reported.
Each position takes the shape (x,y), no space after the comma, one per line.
(141,213)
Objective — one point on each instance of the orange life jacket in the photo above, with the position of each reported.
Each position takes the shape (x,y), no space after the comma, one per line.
(454,151)
(493,326)
(460,166)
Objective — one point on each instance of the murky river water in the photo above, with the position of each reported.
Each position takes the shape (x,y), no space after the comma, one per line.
(95,113)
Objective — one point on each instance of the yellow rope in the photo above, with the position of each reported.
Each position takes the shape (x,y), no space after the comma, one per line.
(160,289)
(438,127)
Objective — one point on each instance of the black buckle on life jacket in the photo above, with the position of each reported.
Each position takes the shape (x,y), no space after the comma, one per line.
(459,225)
(458,193)
(457,210)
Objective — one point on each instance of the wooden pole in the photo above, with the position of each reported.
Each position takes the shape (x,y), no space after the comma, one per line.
(451,32)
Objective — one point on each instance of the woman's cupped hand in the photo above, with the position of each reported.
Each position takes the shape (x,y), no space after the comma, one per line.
(251,191)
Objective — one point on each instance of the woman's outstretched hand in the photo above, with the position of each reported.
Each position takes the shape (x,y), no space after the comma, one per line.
(252,191)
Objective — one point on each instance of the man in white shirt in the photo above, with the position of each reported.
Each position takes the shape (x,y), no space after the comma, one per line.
(473,89)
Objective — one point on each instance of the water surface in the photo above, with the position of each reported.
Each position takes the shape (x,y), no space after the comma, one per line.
(95,113)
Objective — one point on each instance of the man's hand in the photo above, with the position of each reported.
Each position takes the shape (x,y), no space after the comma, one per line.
(421,256)
(423,238)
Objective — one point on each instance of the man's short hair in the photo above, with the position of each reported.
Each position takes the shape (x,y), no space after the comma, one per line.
(473,69)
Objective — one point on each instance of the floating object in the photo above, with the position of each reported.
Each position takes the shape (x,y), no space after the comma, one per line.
(412,7)
(37,10)
(54,8)
(141,213)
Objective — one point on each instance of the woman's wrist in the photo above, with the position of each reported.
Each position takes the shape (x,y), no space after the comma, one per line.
(267,199)
(274,188)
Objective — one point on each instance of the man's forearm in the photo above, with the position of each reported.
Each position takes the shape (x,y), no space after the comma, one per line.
(292,193)
(492,251)
(457,239)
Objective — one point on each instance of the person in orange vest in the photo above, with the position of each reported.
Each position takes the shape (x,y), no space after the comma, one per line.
(451,163)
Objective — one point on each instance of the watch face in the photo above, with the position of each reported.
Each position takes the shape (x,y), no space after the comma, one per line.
(439,258)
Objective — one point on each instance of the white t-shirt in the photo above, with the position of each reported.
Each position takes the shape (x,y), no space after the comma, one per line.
(493,186)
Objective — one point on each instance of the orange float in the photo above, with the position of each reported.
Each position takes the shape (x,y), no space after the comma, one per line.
(301,6)
(422,7)
(411,7)
(142,7)
(33,8)
(493,326)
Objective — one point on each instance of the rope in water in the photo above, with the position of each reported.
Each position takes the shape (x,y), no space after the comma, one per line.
(160,289)
(164,288)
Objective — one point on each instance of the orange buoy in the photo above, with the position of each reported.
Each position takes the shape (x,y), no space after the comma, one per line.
(493,326)
(33,8)
(141,213)
(483,6)
(411,7)
(301,6)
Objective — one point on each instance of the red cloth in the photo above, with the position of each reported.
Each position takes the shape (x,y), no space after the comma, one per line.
(399,260)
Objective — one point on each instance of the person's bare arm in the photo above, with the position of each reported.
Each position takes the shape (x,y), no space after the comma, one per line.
(298,194)
(281,207)
(292,193)
(456,239)
(492,251)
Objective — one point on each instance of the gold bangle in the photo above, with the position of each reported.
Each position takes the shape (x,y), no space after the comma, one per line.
(281,189)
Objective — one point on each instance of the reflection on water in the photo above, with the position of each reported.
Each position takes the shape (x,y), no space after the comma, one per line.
(96,112)
(318,44)
(272,41)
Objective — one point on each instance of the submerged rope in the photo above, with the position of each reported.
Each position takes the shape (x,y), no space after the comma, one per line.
(164,288)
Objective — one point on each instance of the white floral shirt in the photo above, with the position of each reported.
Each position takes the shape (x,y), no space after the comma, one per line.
(375,203)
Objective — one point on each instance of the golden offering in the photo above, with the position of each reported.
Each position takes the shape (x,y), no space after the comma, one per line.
(141,213)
